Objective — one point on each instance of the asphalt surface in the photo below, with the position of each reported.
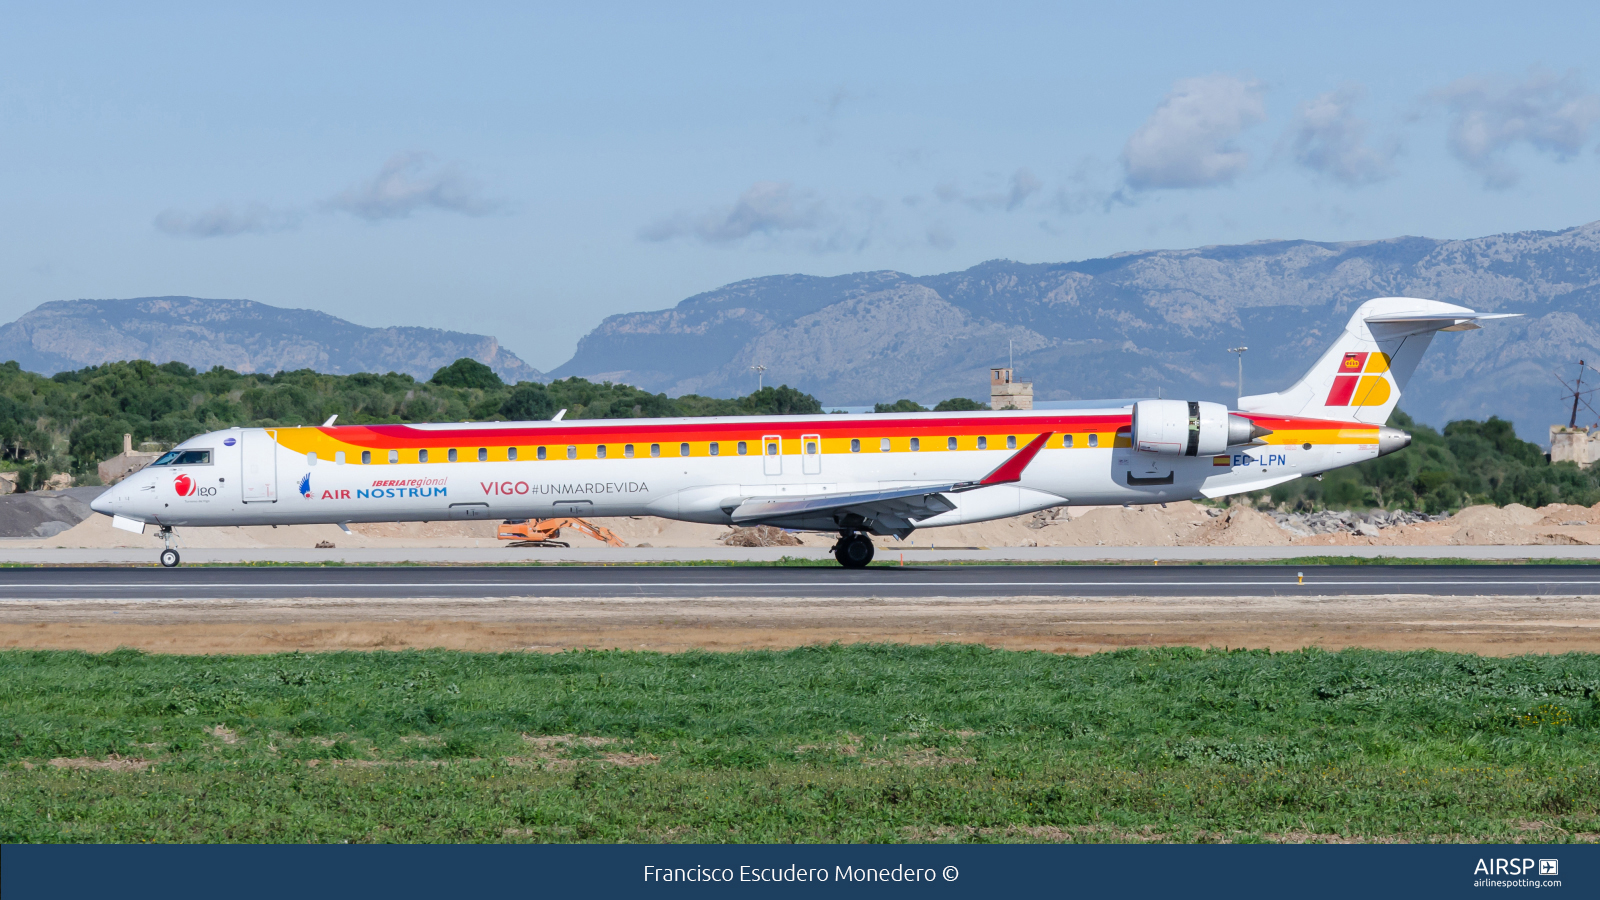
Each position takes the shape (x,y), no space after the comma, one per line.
(464,582)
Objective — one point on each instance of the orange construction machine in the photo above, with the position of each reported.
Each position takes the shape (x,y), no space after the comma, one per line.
(543,532)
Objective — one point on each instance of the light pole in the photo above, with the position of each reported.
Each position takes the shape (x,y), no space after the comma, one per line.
(761,374)
(1240,351)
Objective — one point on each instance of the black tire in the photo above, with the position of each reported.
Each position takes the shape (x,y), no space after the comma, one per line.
(855,553)
(169,558)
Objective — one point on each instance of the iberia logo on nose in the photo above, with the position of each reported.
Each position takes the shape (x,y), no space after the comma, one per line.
(1360,381)
(184,485)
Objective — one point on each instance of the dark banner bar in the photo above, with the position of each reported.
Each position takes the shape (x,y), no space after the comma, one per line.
(436,872)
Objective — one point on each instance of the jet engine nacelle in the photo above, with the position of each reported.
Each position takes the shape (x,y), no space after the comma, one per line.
(1189,427)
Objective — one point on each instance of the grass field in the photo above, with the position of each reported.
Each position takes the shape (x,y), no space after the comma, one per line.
(858,743)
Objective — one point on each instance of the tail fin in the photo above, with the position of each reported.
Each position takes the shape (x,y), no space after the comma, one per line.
(1360,377)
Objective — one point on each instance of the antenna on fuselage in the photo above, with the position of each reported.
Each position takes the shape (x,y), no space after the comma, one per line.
(557,416)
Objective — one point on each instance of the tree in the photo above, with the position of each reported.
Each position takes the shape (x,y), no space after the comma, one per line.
(959,404)
(901,405)
(528,402)
(467,373)
(779,401)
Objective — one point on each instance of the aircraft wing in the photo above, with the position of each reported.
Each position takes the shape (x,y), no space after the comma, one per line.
(893,511)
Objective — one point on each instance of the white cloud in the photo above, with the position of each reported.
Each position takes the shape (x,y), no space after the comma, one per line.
(1550,113)
(767,207)
(1023,185)
(1188,141)
(227,220)
(1329,138)
(410,182)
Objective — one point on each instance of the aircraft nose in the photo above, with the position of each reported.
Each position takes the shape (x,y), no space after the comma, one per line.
(103,504)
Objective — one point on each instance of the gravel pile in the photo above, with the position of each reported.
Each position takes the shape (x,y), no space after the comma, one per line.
(1367,523)
(42,514)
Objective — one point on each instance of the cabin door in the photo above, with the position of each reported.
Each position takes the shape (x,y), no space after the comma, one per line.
(772,454)
(258,455)
(811,454)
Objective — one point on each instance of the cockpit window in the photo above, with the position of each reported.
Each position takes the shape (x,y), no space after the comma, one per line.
(184,458)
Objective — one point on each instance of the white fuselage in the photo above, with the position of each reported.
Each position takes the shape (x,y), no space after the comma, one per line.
(638,467)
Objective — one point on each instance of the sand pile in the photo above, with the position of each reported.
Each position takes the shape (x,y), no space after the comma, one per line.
(1239,527)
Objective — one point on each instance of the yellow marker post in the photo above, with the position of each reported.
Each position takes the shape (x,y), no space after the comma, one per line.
(1302,577)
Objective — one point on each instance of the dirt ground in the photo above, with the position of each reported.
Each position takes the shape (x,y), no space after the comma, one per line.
(1498,626)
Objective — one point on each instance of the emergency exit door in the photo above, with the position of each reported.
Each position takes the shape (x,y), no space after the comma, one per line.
(811,454)
(772,454)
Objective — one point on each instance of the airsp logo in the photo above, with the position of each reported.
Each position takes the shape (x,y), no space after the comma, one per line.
(1515,867)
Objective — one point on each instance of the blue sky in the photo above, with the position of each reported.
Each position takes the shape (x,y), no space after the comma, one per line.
(525,171)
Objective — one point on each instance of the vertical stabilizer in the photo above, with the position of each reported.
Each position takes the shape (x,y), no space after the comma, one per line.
(1360,377)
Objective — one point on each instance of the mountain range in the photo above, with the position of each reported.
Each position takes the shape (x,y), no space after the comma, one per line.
(239,334)
(1132,325)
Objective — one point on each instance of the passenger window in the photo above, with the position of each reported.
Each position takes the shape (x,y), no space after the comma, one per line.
(883,446)
(772,449)
(627,451)
(483,454)
(394,456)
(715,448)
(683,449)
(422,456)
(600,451)
(916,444)
(950,444)
(1011,442)
(1094,440)
(811,448)
(655,449)
(311,458)
(539,453)
(983,442)
(452,454)
(743,448)
(338,458)
(1066,441)
(572,452)
(855,445)
(366,457)
(511,453)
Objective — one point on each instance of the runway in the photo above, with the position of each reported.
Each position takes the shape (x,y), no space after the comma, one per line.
(700,582)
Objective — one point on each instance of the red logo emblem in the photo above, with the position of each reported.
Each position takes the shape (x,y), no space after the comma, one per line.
(184,485)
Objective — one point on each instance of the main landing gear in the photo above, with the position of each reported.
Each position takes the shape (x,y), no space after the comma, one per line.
(169,556)
(853,551)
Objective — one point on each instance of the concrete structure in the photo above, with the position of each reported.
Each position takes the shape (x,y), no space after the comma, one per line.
(1574,445)
(125,463)
(1007,394)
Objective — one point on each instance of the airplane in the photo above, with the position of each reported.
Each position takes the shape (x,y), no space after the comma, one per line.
(853,475)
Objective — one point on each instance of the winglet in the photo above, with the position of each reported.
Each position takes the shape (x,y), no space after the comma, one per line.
(1009,471)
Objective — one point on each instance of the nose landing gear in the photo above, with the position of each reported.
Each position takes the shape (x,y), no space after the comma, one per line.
(169,556)
(853,551)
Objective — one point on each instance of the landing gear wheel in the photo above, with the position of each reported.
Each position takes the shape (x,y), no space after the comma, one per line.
(854,552)
(169,558)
